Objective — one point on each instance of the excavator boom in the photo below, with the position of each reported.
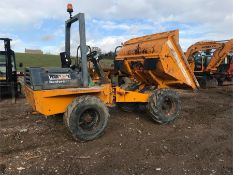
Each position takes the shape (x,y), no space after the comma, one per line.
(219,55)
(202,46)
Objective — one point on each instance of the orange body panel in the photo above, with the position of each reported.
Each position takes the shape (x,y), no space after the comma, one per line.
(131,96)
(51,102)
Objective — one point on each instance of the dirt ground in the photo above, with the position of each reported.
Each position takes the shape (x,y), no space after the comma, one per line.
(199,142)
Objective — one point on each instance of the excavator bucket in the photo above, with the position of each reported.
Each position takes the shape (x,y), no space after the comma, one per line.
(156,60)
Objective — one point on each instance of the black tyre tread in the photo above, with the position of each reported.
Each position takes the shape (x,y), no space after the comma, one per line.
(154,110)
(84,100)
(71,106)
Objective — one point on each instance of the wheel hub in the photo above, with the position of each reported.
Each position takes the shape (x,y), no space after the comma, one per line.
(89,120)
(167,106)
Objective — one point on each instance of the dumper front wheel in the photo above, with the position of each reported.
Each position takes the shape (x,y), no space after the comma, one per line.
(164,106)
(86,118)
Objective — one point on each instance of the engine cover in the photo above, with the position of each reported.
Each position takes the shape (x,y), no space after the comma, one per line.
(52,78)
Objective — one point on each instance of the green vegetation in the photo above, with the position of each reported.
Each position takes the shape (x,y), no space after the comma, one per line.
(37,60)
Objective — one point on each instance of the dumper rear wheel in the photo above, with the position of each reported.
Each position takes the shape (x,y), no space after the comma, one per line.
(164,106)
(86,118)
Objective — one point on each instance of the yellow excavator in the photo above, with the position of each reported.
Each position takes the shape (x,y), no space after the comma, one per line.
(146,69)
(211,61)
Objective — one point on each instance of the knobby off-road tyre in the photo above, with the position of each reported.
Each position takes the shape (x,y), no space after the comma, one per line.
(86,118)
(164,106)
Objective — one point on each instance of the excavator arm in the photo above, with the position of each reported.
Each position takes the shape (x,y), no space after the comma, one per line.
(219,55)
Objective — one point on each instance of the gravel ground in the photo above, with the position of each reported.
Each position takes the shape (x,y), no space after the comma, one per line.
(199,142)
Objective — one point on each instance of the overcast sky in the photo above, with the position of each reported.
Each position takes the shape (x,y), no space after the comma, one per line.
(39,24)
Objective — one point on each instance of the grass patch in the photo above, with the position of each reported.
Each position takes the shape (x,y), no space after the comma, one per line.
(37,60)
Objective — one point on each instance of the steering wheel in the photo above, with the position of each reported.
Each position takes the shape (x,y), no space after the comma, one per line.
(92,54)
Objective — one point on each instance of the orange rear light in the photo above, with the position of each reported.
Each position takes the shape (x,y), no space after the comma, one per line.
(69,8)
